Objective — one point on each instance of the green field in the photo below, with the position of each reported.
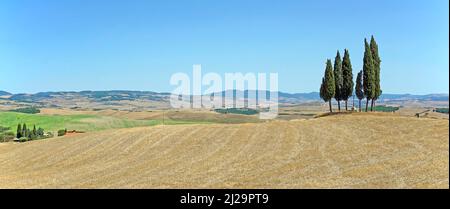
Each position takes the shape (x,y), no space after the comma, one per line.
(76,122)
(442,110)
(384,108)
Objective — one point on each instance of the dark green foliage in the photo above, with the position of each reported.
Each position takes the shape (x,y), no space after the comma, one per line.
(368,74)
(40,132)
(24,131)
(243,111)
(28,110)
(338,80)
(327,88)
(359,91)
(442,110)
(34,134)
(347,75)
(19,131)
(376,64)
(62,132)
(384,108)
(29,134)
(23,139)
(359,88)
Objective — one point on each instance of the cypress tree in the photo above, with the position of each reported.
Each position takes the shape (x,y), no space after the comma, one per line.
(347,75)
(29,134)
(34,133)
(338,80)
(24,130)
(368,74)
(322,89)
(327,89)
(376,64)
(359,88)
(19,131)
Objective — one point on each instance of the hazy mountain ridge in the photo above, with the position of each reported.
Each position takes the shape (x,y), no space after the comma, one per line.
(4,93)
(115,95)
(119,95)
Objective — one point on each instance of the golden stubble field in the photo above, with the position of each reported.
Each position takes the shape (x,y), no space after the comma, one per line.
(341,151)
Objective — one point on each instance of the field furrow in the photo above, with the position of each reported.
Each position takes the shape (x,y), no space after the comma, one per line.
(328,152)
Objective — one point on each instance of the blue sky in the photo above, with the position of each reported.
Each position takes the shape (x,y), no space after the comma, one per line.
(54,45)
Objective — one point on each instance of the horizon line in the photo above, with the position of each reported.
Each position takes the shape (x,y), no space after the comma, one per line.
(165,92)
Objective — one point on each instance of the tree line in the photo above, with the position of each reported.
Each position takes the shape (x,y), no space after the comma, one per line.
(25,134)
(338,83)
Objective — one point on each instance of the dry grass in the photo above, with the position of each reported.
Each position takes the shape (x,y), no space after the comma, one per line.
(342,151)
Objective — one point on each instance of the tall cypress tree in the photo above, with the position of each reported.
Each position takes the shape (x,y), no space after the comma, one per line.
(347,75)
(376,65)
(322,89)
(34,133)
(368,74)
(19,131)
(338,80)
(24,130)
(327,89)
(359,88)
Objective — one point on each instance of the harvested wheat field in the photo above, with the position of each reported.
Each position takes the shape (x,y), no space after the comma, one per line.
(340,151)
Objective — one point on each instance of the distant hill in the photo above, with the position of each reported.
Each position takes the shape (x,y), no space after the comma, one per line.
(4,93)
(427,97)
(150,99)
(99,96)
(315,96)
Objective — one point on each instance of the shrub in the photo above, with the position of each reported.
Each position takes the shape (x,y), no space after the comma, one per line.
(23,139)
(49,135)
(7,136)
(62,132)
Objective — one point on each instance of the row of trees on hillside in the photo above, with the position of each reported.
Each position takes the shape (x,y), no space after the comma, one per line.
(338,83)
(25,134)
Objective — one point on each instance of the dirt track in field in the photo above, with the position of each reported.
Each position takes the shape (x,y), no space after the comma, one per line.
(343,151)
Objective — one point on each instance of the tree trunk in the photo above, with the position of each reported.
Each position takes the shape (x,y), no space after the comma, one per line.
(329,103)
(339,105)
(371,106)
(359,105)
(353,105)
(346,109)
(367,104)
(374,104)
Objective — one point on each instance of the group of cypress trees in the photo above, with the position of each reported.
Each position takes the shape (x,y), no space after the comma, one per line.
(24,132)
(338,83)
(371,73)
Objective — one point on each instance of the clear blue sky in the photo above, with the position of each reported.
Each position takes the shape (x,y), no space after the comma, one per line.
(54,45)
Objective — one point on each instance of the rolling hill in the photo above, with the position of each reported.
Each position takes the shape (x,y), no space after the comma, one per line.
(4,93)
(386,152)
(148,100)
